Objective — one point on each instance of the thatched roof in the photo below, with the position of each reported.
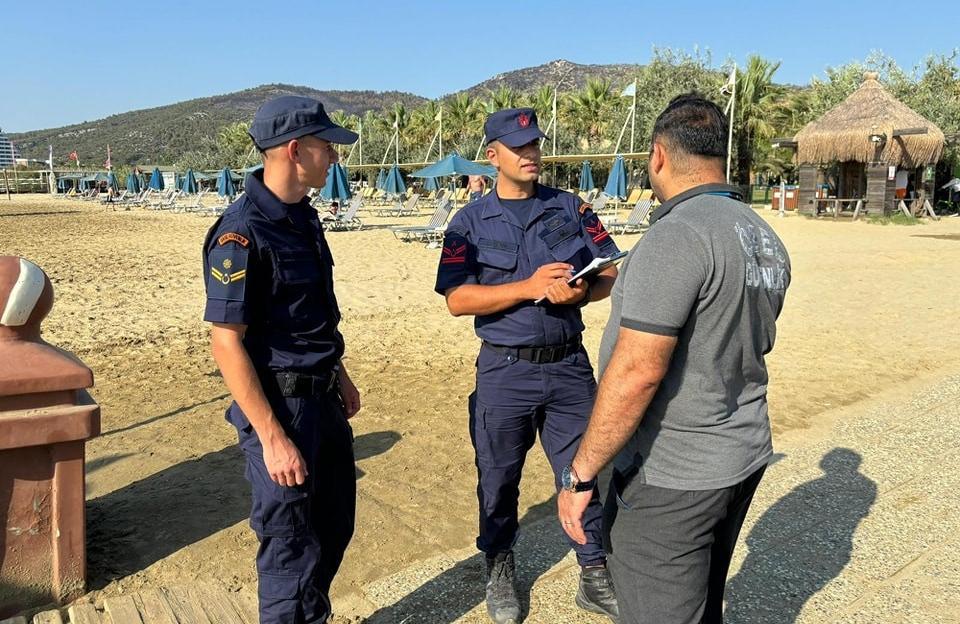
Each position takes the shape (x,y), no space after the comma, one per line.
(843,133)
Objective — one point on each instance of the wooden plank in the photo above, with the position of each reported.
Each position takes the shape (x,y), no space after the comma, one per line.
(185,608)
(247,604)
(929,210)
(121,610)
(856,211)
(83,613)
(154,607)
(216,605)
(48,617)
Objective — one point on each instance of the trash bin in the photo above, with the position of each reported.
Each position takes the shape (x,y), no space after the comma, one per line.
(46,416)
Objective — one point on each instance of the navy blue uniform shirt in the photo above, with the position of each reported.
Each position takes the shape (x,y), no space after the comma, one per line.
(267,266)
(488,244)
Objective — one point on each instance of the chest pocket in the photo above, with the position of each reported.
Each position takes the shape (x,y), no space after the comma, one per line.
(562,237)
(298,266)
(497,260)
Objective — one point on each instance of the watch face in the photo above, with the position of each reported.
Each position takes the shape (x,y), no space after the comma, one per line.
(566,479)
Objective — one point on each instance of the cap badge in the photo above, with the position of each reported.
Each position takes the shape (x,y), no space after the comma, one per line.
(523,119)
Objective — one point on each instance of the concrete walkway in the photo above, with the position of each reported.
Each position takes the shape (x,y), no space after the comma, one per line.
(857,521)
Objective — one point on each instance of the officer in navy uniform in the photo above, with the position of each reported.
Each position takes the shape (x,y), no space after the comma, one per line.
(269,282)
(501,253)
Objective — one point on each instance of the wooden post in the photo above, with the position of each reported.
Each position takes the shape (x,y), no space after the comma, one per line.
(6,184)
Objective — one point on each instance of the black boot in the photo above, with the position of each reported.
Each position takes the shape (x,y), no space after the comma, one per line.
(596,593)
(502,603)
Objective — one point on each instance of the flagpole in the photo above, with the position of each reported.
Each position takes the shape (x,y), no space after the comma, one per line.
(733,105)
(633,119)
(440,157)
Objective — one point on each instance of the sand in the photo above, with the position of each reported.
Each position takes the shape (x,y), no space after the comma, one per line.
(871,307)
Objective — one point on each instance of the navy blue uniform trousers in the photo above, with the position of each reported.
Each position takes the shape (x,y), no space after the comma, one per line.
(514,400)
(303,530)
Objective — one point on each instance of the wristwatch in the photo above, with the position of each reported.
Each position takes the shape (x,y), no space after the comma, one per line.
(570,482)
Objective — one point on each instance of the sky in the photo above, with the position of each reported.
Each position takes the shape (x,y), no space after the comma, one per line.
(81,61)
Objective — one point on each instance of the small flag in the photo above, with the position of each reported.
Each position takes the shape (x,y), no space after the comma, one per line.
(630,90)
(727,88)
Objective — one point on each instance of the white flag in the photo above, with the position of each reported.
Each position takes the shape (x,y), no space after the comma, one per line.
(630,90)
(727,88)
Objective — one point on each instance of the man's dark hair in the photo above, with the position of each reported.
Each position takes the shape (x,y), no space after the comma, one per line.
(693,125)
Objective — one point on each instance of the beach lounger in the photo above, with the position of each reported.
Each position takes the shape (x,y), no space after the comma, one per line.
(401,209)
(345,219)
(634,221)
(424,233)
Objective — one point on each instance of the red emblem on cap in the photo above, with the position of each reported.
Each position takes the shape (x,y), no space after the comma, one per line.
(523,119)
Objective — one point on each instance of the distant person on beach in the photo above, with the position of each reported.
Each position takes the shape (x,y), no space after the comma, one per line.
(477,185)
(269,279)
(520,243)
(682,404)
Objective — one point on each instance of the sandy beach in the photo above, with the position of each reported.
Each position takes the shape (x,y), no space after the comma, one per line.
(871,308)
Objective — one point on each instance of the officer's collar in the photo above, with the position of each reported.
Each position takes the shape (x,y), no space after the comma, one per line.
(704,189)
(269,204)
(493,208)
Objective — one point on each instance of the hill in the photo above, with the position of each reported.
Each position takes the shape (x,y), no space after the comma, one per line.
(160,135)
(574,75)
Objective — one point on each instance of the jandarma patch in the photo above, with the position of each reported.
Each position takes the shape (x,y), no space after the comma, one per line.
(234,238)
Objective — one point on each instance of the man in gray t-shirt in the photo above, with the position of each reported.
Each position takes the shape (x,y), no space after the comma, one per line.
(682,406)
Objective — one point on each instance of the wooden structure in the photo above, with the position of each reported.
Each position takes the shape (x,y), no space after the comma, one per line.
(866,140)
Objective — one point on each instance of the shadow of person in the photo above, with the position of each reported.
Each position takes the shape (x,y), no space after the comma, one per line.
(456,591)
(148,520)
(801,543)
(372,444)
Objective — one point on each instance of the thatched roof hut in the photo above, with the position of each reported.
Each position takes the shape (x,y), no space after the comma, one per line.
(844,132)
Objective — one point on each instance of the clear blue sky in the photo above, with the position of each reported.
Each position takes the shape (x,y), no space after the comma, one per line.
(82,60)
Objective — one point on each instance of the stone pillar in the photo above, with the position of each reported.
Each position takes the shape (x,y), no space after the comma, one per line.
(46,416)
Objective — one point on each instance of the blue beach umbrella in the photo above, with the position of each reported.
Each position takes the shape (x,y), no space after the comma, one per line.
(225,186)
(381,178)
(156,179)
(586,177)
(188,184)
(431,184)
(133,183)
(394,185)
(112,183)
(336,186)
(454,165)
(617,182)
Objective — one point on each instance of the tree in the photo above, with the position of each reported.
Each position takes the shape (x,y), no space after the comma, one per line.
(756,99)
(588,112)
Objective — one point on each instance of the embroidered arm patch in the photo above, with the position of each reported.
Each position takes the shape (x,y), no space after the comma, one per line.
(227,275)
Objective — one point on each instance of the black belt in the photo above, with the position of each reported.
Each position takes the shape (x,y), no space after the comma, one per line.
(539,355)
(293,384)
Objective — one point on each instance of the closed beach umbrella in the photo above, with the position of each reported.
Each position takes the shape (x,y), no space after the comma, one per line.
(156,179)
(225,186)
(112,183)
(381,178)
(336,186)
(586,177)
(189,182)
(394,185)
(133,183)
(617,182)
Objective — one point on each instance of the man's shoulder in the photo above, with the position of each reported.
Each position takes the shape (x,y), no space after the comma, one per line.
(234,225)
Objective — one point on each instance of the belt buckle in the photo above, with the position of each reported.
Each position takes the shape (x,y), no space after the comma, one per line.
(288,384)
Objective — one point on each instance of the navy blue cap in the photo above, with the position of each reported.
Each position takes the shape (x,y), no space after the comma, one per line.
(513,127)
(290,117)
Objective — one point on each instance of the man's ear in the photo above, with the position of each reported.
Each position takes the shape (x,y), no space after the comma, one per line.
(491,154)
(658,158)
(293,151)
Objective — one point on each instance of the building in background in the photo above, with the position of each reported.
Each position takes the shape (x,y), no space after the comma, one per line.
(8,153)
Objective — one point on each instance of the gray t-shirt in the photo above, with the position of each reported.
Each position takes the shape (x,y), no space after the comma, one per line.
(714,274)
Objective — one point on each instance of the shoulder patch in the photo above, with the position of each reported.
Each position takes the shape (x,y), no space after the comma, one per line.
(233,237)
(584,207)
(227,274)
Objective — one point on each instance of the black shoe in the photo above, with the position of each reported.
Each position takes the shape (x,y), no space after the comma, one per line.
(502,603)
(596,594)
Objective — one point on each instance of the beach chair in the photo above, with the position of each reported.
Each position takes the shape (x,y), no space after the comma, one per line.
(588,196)
(635,220)
(423,233)
(401,209)
(600,202)
(345,219)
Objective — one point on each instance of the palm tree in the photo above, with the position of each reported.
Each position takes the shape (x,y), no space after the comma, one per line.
(423,124)
(757,98)
(588,112)
(541,101)
(465,126)
(503,97)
